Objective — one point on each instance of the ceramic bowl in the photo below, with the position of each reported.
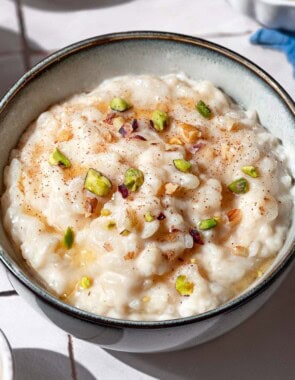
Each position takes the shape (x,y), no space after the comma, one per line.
(6,362)
(81,67)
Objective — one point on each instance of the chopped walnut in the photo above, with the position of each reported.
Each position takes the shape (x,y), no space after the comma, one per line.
(129,256)
(108,136)
(118,122)
(175,141)
(189,133)
(132,219)
(109,118)
(227,152)
(239,250)
(64,135)
(234,216)
(170,188)
(172,236)
(208,153)
(90,205)
(229,124)
(100,148)
(108,247)
(169,255)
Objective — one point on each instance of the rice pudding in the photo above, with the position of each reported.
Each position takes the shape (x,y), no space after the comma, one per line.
(148,198)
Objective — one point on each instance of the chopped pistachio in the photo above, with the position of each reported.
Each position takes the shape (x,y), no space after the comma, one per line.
(85,282)
(217,218)
(160,120)
(125,232)
(105,212)
(97,183)
(259,273)
(184,287)
(111,224)
(207,224)
(182,165)
(203,109)
(193,261)
(68,239)
(250,171)
(134,178)
(240,186)
(58,158)
(119,104)
(148,217)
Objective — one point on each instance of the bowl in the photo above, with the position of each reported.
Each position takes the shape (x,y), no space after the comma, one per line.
(81,67)
(6,361)
(279,14)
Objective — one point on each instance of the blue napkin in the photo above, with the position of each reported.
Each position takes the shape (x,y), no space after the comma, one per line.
(283,41)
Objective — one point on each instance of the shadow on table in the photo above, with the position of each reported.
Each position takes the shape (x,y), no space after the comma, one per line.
(261,348)
(11,58)
(72,5)
(9,41)
(36,364)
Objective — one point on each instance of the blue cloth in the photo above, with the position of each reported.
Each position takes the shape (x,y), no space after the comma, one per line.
(280,40)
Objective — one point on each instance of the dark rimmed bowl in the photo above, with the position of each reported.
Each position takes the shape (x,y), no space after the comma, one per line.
(81,67)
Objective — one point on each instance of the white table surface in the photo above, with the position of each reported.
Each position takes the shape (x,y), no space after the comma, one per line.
(263,347)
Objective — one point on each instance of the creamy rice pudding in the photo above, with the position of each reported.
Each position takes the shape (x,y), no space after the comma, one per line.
(149,198)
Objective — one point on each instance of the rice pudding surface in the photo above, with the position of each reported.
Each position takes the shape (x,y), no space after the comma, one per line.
(149,198)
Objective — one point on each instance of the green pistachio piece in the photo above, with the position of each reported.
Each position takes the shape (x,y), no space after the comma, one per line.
(206,224)
(68,239)
(125,233)
(203,109)
(184,287)
(182,165)
(57,158)
(148,217)
(134,178)
(105,212)
(85,282)
(119,104)
(97,183)
(250,171)
(160,120)
(240,186)
(111,224)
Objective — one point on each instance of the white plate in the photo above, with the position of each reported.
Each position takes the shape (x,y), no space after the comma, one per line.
(278,14)
(6,362)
